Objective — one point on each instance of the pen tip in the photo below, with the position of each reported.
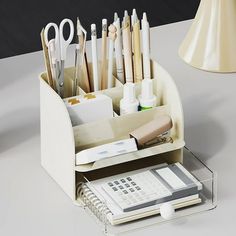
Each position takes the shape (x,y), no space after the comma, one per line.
(115,16)
(93,27)
(134,13)
(144,16)
(104,21)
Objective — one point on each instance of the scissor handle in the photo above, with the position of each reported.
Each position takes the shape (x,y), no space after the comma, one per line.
(64,43)
(57,43)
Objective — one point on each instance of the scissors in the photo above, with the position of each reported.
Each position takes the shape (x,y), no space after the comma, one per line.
(61,45)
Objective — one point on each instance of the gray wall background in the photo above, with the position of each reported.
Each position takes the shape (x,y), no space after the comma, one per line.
(21,21)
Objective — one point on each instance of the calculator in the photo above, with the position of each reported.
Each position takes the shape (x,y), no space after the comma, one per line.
(152,187)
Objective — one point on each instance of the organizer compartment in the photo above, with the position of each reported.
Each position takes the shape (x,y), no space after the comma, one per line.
(60,142)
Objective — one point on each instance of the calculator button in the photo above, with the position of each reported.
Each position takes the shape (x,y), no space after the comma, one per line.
(125,192)
(116,182)
(138,188)
(127,185)
(123,180)
(133,183)
(114,188)
(131,190)
(121,187)
(129,179)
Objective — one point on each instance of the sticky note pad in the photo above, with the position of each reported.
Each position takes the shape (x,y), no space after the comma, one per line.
(89,108)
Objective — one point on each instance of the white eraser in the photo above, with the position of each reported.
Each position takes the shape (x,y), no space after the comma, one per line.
(105,151)
(89,108)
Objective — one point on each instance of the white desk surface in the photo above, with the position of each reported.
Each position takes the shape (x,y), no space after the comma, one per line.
(31,203)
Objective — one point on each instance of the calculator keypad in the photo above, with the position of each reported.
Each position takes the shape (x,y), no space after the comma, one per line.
(139,189)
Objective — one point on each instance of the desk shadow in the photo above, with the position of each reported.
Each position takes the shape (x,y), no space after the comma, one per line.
(18,126)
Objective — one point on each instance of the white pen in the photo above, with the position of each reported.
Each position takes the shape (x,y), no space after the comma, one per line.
(146,47)
(104,55)
(118,52)
(127,50)
(94,57)
(112,37)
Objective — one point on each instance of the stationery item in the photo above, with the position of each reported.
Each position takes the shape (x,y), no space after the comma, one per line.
(146,47)
(53,62)
(96,81)
(112,37)
(88,108)
(106,151)
(127,18)
(104,55)
(118,52)
(81,69)
(147,99)
(138,74)
(46,60)
(127,51)
(61,47)
(149,133)
(115,16)
(134,18)
(129,103)
(140,193)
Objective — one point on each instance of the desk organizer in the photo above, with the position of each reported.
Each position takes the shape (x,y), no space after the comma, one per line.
(60,142)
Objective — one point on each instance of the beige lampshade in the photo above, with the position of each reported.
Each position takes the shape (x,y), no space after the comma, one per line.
(210,44)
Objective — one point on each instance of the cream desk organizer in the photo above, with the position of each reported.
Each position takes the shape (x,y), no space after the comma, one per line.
(60,141)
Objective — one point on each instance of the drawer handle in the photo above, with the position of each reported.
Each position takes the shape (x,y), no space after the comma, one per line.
(167,211)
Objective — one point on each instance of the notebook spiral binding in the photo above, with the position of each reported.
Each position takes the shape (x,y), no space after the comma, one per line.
(94,204)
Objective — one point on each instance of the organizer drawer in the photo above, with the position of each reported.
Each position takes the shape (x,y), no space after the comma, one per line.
(102,209)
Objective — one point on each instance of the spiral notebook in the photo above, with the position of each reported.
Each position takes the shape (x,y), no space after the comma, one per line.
(118,199)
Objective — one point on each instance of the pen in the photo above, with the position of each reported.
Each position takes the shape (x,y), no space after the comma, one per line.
(94,57)
(118,52)
(138,74)
(146,47)
(127,50)
(104,55)
(112,37)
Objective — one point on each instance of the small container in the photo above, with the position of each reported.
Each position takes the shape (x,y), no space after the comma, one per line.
(147,99)
(129,103)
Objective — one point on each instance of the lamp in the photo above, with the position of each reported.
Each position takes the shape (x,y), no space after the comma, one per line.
(210,44)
